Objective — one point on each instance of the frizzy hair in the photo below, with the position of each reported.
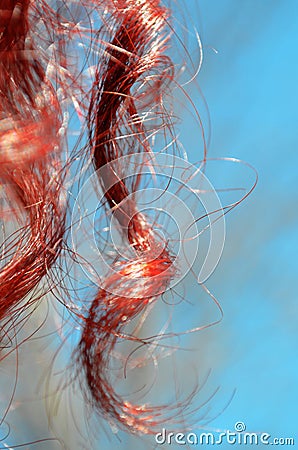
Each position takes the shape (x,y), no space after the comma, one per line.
(135,53)
(122,52)
(31,171)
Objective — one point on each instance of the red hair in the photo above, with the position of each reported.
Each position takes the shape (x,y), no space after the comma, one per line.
(30,170)
(134,54)
(122,111)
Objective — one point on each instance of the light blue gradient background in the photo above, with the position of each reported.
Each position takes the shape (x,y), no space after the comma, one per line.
(250,86)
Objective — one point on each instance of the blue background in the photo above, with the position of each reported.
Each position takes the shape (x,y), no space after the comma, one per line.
(250,86)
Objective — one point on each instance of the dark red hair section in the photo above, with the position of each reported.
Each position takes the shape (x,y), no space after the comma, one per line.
(30,167)
(128,81)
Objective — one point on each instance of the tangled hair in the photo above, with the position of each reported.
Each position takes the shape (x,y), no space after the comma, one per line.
(106,62)
(134,53)
(30,162)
